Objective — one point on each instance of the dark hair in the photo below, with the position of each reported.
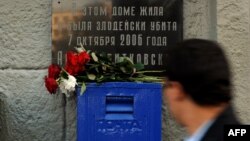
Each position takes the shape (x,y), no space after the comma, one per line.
(201,67)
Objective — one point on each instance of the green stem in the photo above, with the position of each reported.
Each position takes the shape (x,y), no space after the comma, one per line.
(153,71)
(147,79)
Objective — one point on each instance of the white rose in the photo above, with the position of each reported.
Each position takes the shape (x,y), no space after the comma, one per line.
(68,85)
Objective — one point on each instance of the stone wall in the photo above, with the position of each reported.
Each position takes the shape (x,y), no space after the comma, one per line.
(29,113)
(233,29)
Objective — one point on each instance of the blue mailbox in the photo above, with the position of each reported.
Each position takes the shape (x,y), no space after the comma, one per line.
(119,111)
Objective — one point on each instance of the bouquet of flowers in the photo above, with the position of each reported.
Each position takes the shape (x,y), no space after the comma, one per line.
(87,66)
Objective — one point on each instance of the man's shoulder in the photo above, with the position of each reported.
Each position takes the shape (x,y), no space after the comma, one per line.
(215,132)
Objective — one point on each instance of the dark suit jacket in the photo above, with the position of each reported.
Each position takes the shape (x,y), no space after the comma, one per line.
(215,132)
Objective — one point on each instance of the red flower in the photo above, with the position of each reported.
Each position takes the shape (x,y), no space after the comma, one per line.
(54,71)
(72,58)
(75,62)
(69,69)
(83,58)
(51,85)
(74,70)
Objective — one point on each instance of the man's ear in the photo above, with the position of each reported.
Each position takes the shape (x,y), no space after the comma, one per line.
(179,93)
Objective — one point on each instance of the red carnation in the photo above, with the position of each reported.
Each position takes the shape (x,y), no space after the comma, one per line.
(74,70)
(75,62)
(51,85)
(72,58)
(83,58)
(69,69)
(54,71)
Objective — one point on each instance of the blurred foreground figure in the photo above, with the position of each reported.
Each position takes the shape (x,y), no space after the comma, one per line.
(198,89)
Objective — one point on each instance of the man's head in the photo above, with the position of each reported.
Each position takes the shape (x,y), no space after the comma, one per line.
(198,74)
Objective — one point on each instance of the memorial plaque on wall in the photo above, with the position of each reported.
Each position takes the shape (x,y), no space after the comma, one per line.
(139,29)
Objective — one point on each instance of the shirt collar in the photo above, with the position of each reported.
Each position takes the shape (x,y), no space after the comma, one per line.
(199,134)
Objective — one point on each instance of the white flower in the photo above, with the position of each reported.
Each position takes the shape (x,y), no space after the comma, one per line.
(68,85)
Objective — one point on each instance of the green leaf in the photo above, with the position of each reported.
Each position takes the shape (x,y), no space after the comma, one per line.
(104,68)
(83,88)
(112,77)
(121,59)
(93,66)
(91,76)
(82,47)
(139,67)
(128,60)
(104,57)
(123,69)
(88,51)
(97,70)
(95,58)
(64,74)
(99,78)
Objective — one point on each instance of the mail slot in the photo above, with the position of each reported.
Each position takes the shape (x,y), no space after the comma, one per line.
(119,111)
(119,107)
